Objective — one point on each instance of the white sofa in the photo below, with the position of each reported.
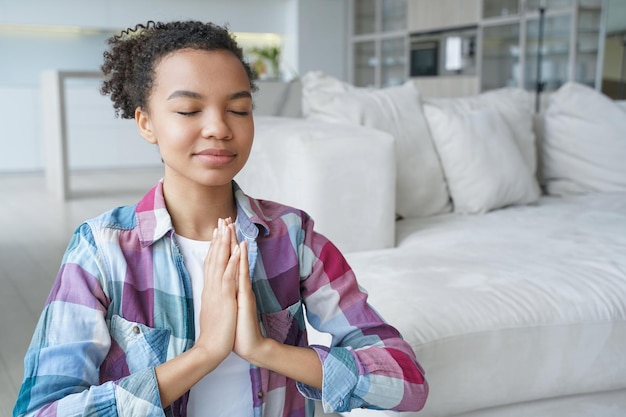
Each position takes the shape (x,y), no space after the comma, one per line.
(493,239)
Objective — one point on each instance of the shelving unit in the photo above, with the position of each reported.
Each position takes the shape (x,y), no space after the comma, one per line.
(378,42)
(509,43)
(570,44)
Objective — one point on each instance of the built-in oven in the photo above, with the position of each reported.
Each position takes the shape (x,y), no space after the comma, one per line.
(424,59)
(449,52)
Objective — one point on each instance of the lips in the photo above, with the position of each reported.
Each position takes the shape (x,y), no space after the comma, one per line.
(216,156)
(216,152)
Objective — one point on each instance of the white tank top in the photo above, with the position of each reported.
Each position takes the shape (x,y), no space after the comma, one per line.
(226,391)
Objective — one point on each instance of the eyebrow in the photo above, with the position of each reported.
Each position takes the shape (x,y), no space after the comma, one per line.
(240,94)
(197,96)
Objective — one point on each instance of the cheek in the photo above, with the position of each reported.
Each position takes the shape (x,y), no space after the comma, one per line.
(173,135)
(244,130)
(246,143)
(244,156)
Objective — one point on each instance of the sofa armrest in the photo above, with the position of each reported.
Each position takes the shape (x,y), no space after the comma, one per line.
(342,175)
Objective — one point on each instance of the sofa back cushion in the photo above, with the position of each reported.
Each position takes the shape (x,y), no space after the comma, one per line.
(420,186)
(515,105)
(484,168)
(487,147)
(584,142)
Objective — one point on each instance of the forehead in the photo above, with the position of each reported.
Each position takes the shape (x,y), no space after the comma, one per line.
(197,69)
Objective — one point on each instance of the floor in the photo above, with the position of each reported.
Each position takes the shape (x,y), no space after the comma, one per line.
(35,229)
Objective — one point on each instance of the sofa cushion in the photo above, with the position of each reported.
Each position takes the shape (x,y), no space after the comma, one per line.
(483,164)
(515,305)
(420,185)
(584,144)
(516,107)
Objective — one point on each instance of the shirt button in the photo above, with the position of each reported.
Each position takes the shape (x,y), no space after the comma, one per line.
(136,330)
(259,394)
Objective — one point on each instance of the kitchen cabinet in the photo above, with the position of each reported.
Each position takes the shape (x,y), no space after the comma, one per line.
(550,42)
(428,15)
(518,43)
(378,42)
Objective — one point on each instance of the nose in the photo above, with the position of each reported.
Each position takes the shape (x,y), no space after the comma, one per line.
(215,126)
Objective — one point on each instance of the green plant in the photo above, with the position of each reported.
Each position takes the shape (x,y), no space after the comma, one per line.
(271,54)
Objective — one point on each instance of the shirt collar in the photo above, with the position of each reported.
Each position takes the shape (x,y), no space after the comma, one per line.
(154,221)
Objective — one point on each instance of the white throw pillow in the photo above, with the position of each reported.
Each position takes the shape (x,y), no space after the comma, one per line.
(584,146)
(484,167)
(420,186)
(516,107)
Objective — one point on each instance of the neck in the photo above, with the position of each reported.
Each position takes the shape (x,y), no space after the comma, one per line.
(196,210)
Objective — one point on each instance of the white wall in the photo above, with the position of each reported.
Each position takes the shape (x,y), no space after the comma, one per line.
(20,144)
(322,36)
(242,15)
(314,33)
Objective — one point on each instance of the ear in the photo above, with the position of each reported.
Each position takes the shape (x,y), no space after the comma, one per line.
(144,124)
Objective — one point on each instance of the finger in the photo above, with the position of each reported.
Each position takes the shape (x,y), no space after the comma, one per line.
(219,253)
(223,243)
(230,273)
(212,249)
(245,285)
(233,234)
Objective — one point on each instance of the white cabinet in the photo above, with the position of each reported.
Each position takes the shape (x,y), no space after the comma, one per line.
(425,15)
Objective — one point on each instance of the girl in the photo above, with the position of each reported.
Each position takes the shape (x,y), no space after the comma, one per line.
(191,301)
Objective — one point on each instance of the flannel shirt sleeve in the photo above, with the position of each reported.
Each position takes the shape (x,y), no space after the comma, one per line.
(368,365)
(71,340)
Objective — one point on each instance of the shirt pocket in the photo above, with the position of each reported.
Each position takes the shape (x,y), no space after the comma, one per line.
(143,346)
(286,326)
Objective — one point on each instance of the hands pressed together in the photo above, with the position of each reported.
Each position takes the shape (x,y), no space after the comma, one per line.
(229,323)
(228,318)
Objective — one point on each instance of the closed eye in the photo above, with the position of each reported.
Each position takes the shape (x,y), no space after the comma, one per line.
(187,113)
(240,113)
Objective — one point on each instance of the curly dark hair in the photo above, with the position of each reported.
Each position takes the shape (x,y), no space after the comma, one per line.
(129,64)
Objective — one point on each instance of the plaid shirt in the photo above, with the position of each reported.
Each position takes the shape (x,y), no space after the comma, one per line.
(122,304)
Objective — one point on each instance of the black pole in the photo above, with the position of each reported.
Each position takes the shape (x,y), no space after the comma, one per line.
(539,85)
